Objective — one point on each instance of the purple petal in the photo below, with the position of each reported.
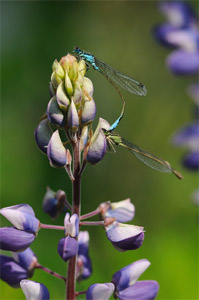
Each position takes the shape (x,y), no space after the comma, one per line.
(161,34)
(125,237)
(56,151)
(97,149)
(185,39)
(11,272)
(178,13)
(191,160)
(100,291)
(67,248)
(142,290)
(43,134)
(15,240)
(55,114)
(83,256)
(128,275)
(34,290)
(123,211)
(187,136)
(27,259)
(181,62)
(21,217)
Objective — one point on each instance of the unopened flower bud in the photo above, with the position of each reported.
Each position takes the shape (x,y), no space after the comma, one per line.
(56,151)
(62,99)
(68,85)
(87,88)
(55,114)
(67,247)
(53,202)
(98,145)
(100,291)
(72,117)
(77,98)
(88,112)
(43,133)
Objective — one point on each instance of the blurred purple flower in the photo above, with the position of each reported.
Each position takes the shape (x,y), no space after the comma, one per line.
(191,160)
(84,266)
(53,202)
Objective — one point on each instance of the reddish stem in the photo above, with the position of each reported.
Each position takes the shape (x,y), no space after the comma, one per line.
(38,266)
(94,223)
(90,214)
(71,277)
(51,226)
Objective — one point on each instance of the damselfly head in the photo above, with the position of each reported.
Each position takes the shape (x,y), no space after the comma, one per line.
(77,50)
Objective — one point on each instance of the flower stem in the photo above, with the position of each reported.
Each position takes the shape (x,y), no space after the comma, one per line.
(38,266)
(90,214)
(76,206)
(94,223)
(51,226)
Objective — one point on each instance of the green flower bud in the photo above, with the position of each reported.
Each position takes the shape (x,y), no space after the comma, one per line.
(68,85)
(77,98)
(62,98)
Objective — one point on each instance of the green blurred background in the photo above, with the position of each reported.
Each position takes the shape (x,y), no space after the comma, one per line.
(120,33)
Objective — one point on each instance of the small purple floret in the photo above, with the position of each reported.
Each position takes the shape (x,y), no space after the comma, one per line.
(67,248)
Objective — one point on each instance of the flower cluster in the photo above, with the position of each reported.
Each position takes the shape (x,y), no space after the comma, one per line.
(65,136)
(181,32)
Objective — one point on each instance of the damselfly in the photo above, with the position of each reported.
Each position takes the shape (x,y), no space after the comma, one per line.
(115,77)
(146,157)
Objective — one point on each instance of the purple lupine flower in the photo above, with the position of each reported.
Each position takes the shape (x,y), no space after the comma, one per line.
(71,225)
(27,259)
(22,217)
(122,211)
(100,291)
(191,160)
(21,266)
(55,114)
(34,290)
(56,151)
(98,145)
(13,239)
(53,202)
(84,266)
(187,136)
(12,272)
(43,133)
(125,237)
(126,284)
(67,248)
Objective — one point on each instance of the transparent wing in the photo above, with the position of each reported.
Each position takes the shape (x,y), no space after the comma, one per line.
(149,159)
(131,85)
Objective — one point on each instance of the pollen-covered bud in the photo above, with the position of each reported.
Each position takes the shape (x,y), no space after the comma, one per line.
(98,144)
(122,211)
(55,114)
(43,133)
(62,99)
(72,118)
(22,217)
(53,202)
(125,237)
(67,247)
(100,291)
(56,151)
(71,225)
(34,290)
